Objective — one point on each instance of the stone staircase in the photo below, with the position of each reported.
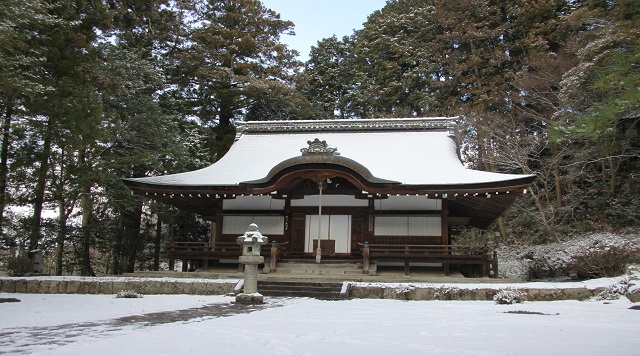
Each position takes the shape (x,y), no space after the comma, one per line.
(327,268)
(302,289)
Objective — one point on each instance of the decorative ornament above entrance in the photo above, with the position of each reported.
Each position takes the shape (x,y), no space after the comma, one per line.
(317,147)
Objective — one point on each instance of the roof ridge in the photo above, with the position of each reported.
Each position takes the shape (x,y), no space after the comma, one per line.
(333,125)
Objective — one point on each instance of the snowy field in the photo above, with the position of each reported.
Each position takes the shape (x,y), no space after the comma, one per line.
(179,324)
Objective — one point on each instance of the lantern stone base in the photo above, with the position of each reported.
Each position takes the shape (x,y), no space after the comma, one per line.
(255,298)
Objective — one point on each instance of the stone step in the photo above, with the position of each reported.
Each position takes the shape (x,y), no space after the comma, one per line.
(318,290)
(300,284)
(322,265)
(310,268)
(325,260)
(317,272)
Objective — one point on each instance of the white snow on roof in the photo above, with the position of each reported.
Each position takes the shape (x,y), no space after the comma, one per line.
(409,157)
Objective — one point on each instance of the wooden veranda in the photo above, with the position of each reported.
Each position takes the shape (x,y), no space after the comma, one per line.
(482,259)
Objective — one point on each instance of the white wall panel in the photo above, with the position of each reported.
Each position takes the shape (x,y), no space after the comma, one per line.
(330,200)
(267,225)
(407,226)
(410,202)
(253,203)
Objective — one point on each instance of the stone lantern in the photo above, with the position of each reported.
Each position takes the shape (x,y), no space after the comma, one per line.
(251,243)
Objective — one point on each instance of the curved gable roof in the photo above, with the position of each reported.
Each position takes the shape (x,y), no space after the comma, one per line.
(404,151)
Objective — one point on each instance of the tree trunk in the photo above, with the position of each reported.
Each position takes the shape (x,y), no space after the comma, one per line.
(490,166)
(4,158)
(226,109)
(117,245)
(64,211)
(157,245)
(85,257)
(133,237)
(603,168)
(62,231)
(612,177)
(39,193)
(86,204)
(502,228)
(556,174)
(556,171)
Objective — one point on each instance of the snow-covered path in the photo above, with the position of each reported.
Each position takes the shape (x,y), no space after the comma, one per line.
(98,325)
(24,339)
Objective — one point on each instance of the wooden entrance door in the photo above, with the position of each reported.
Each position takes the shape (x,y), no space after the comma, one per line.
(335,228)
(297,234)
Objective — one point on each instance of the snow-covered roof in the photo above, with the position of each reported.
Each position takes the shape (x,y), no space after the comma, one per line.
(407,151)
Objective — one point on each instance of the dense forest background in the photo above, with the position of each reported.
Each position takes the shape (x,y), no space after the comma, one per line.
(92,91)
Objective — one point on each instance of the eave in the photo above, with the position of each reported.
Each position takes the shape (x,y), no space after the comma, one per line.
(482,203)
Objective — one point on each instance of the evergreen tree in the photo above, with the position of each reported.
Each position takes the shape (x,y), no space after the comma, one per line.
(232,53)
(329,76)
(70,113)
(394,51)
(21,57)
(599,104)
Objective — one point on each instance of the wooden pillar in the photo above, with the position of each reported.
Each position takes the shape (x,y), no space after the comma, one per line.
(274,257)
(210,247)
(485,261)
(219,219)
(357,231)
(494,264)
(407,272)
(445,222)
(369,227)
(213,231)
(171,248)
(365,258)
(444,239)
(287,221)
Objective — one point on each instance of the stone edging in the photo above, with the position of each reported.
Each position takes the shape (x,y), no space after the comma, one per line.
(219,287)
(105,286)
(456,293)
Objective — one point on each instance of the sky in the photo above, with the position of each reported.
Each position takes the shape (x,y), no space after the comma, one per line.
(318,19)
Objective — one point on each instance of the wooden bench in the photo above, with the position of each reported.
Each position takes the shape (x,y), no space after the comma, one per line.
(482,256)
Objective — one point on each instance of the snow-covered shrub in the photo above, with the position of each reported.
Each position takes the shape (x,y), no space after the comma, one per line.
(447,293)
(509,296)
(541,266)
(604,258)
(19,266)
(614,291)
(533,262)
(128,294)
(553,260)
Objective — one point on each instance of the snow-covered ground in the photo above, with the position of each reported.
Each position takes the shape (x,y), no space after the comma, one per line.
(105,325)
